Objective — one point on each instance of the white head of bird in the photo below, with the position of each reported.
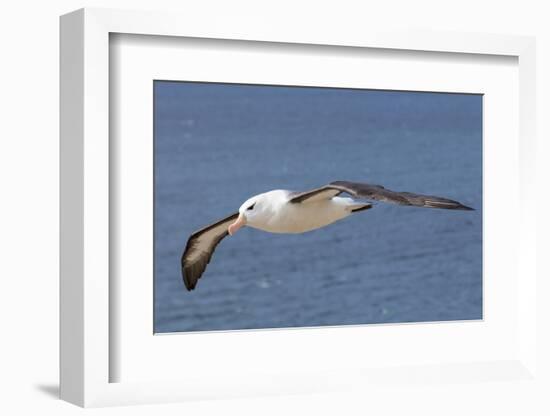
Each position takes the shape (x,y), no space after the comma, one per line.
(257,210)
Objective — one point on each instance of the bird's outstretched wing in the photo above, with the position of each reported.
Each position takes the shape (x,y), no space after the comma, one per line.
(376,193)
(199,249)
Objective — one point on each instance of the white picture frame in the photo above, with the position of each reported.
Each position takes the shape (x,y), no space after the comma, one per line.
(86,304)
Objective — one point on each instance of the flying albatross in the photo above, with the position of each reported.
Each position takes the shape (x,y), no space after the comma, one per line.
(282,211)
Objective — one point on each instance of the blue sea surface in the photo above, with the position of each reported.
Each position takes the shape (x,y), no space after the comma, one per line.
(216,145)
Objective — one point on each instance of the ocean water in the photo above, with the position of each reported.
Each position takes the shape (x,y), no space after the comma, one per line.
(218,144)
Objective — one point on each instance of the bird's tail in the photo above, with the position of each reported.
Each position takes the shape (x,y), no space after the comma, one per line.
(360,207)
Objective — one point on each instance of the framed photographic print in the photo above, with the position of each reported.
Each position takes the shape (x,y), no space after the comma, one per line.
(261,212)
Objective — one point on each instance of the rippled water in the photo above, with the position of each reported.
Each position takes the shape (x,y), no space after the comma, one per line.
(216,145)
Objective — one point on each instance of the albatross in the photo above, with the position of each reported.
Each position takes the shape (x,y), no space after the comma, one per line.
(290,212)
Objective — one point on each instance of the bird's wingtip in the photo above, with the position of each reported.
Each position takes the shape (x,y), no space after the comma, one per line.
(186,281)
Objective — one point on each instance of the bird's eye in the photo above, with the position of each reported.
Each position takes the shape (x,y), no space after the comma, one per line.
(251,207)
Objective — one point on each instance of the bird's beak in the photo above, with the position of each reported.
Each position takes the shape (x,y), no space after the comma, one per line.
(233,228)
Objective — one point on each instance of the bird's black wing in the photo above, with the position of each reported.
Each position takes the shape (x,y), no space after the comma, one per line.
(377,193)
(318,194)
(199,249)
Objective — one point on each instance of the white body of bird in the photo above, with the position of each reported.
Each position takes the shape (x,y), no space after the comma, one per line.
(273,213)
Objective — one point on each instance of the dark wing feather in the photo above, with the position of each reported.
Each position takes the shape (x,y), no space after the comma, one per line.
(325,192)
(379,193)
(376,193)
(199,249)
